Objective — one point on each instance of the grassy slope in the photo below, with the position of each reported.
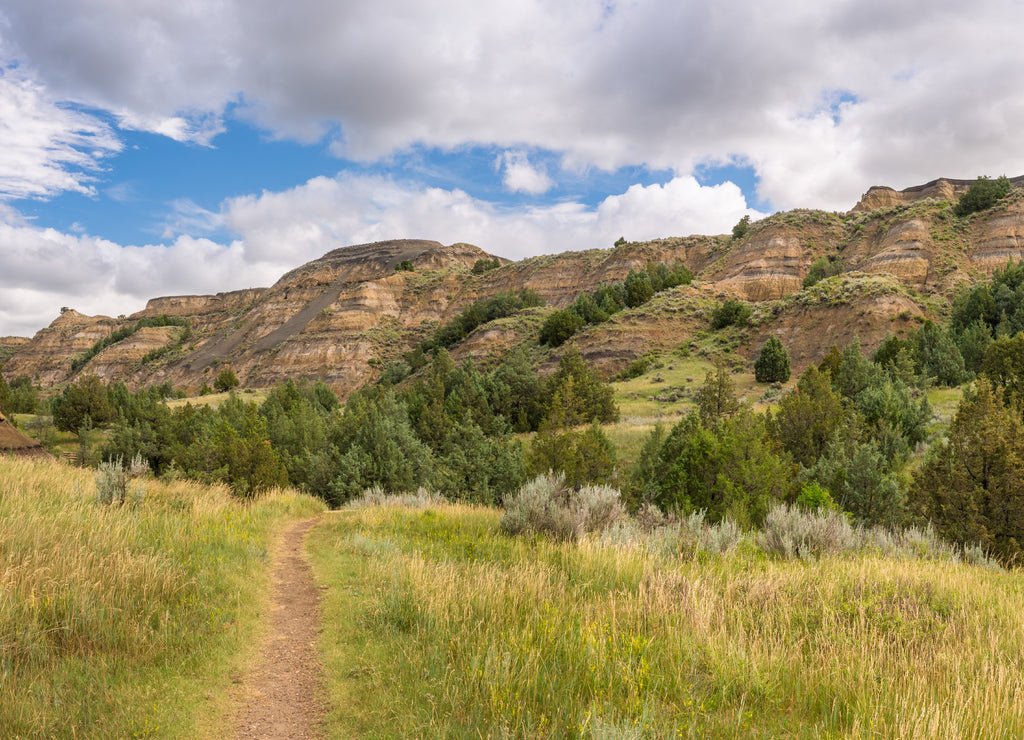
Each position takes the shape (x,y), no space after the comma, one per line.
(436,625)
(126,622)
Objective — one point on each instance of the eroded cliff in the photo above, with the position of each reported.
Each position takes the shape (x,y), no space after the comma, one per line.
(344,316)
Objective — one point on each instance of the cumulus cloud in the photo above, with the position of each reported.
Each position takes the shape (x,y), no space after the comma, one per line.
(664,83)
(45,269)
(46,148)
(277,231)
(520,176)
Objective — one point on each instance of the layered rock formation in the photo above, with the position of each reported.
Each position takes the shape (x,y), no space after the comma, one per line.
(881,196)
(343,317)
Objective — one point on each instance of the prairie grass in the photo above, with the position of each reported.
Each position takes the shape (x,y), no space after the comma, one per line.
(255,395)
(438,625)
(125,621)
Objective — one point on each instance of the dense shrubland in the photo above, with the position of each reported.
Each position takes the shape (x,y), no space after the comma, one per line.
(600,305)
(453,430)
(857,429)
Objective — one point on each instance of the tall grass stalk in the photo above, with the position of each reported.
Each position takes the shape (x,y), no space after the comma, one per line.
(438,625)
(125,622)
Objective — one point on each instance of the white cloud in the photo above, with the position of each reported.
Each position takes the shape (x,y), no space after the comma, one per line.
(46,148)
(522,177)
(664,83)
(187,217)
(45,269)
(275,232)
(306,221)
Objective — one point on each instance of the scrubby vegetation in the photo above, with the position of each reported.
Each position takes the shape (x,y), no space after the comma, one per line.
(120,335)
(453,332)
(983,194)
(731,313)
(599,306)
(821,268)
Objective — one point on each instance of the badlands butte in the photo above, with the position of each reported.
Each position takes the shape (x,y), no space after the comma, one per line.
(901,255)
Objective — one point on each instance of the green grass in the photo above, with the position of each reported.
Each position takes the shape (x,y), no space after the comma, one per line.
(254,395)
(126,621)
(665,391)
(944,403)
(437,625)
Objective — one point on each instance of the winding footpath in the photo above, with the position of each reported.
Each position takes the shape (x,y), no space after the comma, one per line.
(282,696)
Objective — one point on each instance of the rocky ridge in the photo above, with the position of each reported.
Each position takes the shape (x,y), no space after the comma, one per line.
(344,316)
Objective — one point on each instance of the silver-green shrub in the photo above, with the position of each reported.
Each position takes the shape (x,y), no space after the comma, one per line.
(792,532)
(546,504)
(597,508)
(114,482)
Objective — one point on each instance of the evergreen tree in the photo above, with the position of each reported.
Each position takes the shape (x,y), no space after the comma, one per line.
(772,364)
(741,227)
(378,448)
(731,313)
(982,194)
(856,372)
(559,327)
(859,479)
(576,395)
(226,380)
(731,470)
(808,417)
(1003,364)
(716,398)
(638,288)
(972,486)
(937,355)
(88,398)
(582,457)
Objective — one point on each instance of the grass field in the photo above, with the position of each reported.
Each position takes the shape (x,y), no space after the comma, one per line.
(254,395)
(437,625)
(126,621)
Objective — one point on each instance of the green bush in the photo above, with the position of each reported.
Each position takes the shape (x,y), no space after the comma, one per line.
(731,313)
(484,264)
(813,497)
(982,194)
(559,327)
(772,365)
(226,380)
(821,268)
(741,227)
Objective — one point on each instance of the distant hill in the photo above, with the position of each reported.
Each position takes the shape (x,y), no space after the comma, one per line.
(901,255)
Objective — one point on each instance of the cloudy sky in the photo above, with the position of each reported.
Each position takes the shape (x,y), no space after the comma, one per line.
(156,148)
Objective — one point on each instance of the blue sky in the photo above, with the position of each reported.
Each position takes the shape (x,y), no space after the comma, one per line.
(156,188)
(151,148)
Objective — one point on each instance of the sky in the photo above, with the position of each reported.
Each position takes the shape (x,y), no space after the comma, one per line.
(152,148)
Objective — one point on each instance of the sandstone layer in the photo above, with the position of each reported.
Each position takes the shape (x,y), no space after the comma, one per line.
(343,317)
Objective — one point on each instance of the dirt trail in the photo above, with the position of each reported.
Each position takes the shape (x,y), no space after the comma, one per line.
(281,696)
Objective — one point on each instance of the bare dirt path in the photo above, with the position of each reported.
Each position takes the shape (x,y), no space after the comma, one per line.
(281,695)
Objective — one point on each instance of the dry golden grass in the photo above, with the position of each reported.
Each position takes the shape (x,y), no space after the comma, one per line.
(124,621)
(436,625)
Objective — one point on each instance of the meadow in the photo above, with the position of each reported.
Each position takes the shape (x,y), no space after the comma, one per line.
(438,625)
(131,620)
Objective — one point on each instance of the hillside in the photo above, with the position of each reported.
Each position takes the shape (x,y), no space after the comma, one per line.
(344,316)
